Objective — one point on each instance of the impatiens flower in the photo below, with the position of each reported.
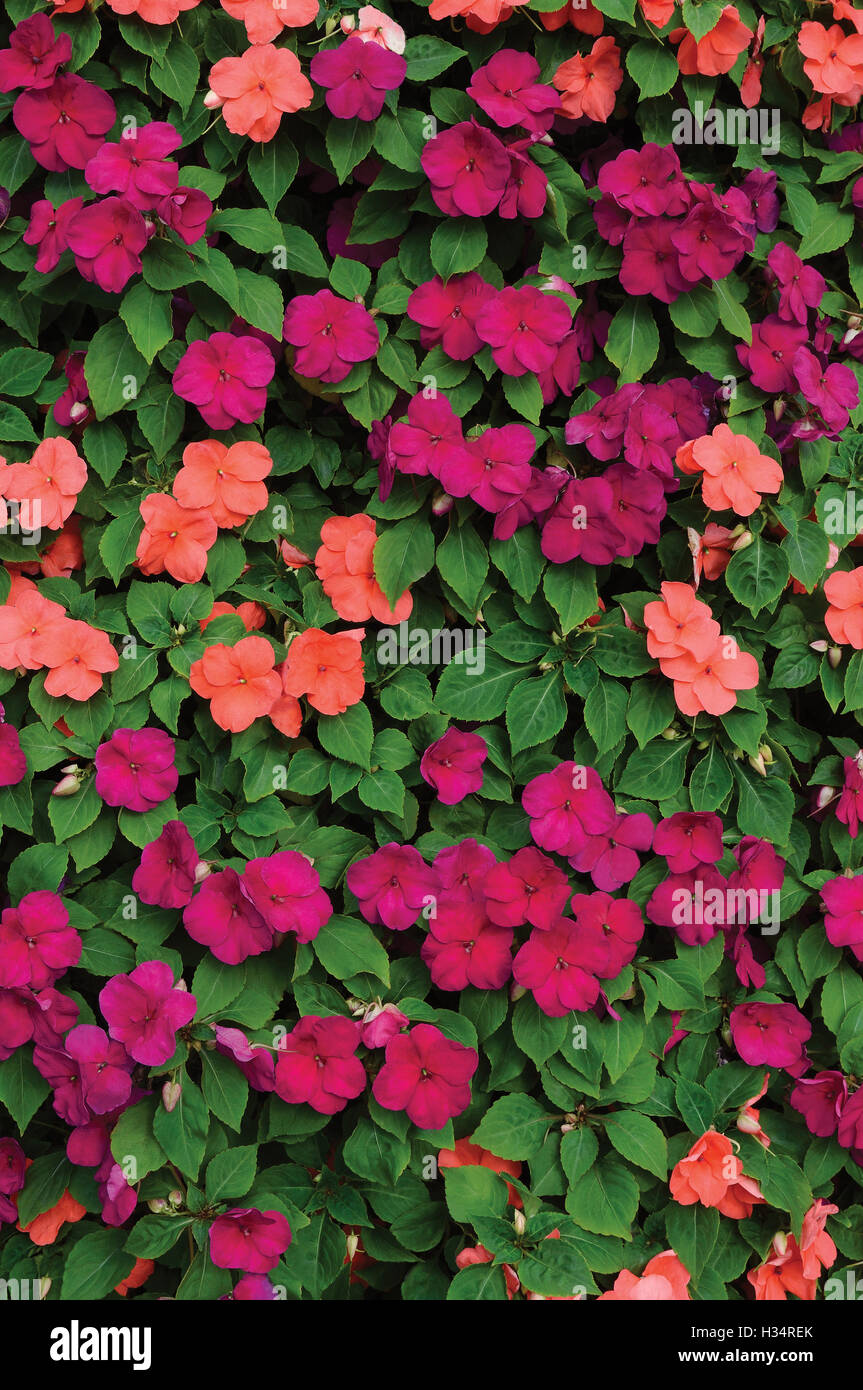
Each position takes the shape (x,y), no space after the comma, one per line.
(850,1131)
(526,190)
(104,1068)
(165,876)
(679,624)
(566,806)
(13,762)
(239,682)
(497,469)
(45,1228)
(136,769)
(801,287)
(712,1174)
(357,76)
(186,211)
(47,487)
(770,356)
(467,168)
(66,123)
(141,1271)
(30,625)
(73,407)
(771,1034)
(13,1167)
(149,11)
(709,685)
(79,656)
(248,1239)
(447,313)
(782,1272)
(432,440)
(619,922)
(610,857)
(647,183)
(688,839)
(560,965)
(844,618)
(464,948)
(34,54)
(392,885)
(707,241)
(48,229)
(821,1100)
(664,1280)
(734,472)
(466,1154)
(452,765)
(381,1022)
(345,566)
(508,89)
(137,166)
(523,327)
(529,888)
(373,26)
(331,335)
(257,89)
(674,904)
(226,377)
(849,807)
(834,61)
(144,1010)
(37,941)
(832,389)
(718,50)
(222,917)
(286,890)
(843,922)
(252,615)
(589,82)
(265,21)
(651,261)
(256,1063)
(226,482)
(581,524)
(327,668)
(317,1064)
(427,1075)
(175,538)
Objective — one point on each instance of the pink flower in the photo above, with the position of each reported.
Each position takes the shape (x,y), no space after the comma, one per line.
(248,1239)
(526,188)
(286,890)
(769,358)
(801,287)
(646,183)
(850,1132)
(137,166)
(37,944)
(689,838)
(447,313)
(186,211)
(465,948)
(331,334)
(524,329)
(610,857)
(832,389)
(13,1168)
(843,923)
(651,261)
(821,1099)
(431,441)
(453,765)
(560,965)
(380,1023)
(48,230)
(618,920)
(497,470)
(566,806)
(468,169)
(73,406)
(529,888)
(508,89)
(226,377)
(427,1075)
(317,1064)
(254,1288)
(581,524)
(66,123)
(34,54)
(63,1074)
(223,918)
(144,1010)
(771,1034)
(849,807)
(105,1068)
(373,26)
(392,885)
(357,76)
(165,876)
(462,869)
(135,769)
(668,904)
(256,1063)
(13,763)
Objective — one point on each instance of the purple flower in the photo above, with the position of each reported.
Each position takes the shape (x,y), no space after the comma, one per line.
(707,240)
(135,769)
(358,76)
(759,186)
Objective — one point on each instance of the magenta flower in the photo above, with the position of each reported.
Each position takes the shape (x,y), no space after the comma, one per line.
(616,921)
(165,876)
(849,807)
(331,334)
(34,54)
(381,1023)
(832,389)
(566,806)
(775,1034)
(468,168)
(452,765)
(252,1288)
(759,186)
(73,406)
(769,358)
(117,1196)
(431,441)
(66,123)
(186,211)
(392,885)
(357,76)
(651,261)
(104,1068)
(461,870)
(317,1064)
(13,1168)
(678,903)
(248,1239)
(758,866)
(581,524)
(48,230)
(647,182)
(708,243)
(800,286)
(18,1011)
(13,763)
(106,239)
(427,1075)
(560,965)
(223,918)
(526,188)
(508,89)
(286,890)
(63,1074)
(256,1063)
(689,838)
(136,166)
(820,1099)
(610,857)
(843,922)
(638,506)
(497,471)
(529,888)
(135,769)
(37,936)
(465,948)
(524,329)
(226,377)
(447,313)
(144,1010)
(850,1131)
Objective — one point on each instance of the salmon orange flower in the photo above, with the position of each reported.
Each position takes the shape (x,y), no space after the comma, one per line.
(794,1267)
(257,89)
(79,656)
(679,624)
(47,487)
(712,1174)
(174,538)
(480,15)
(265,20)
(589,83)
(23,620)
(286,714)
(466,1154)
(833,61)
(345,567)
(664,1280)
(327,668)
(226,482)
(716,52)
(239,682)
(844,618)
(152,11)
(138,1275)
(45,1228)
(581,14)
(252,615)
(734,472)
(657,12)
(710,685)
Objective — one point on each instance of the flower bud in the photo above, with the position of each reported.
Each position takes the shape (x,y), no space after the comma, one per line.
(757,765)
(441,503)
(157,1205)
(779,407)
(820,645)
(823,797)
(780,1242)
(352,1244)
(519,1224)
(834,656)
(516,991)
(44,1287)
(77,411)
(171,1092)
(67,786)
(176,1198)
(743,541)
(748,1124)
(202,870)
(766,753)
(212,101)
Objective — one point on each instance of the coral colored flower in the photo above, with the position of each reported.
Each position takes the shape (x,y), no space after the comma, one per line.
(317,1064)
(833,61)
(286,713)
(286,890)
(427,1075)
(466,1154)
(771,1034)
(448,312)
(47,487)
(248,1239)
(30,625)
(357,76)
(252,615)
(709,684)
(718,50)
(327,668)
(226,377)
(144,1010)
(734,472)
(524,328)
(712,1174)
(174,538)
(560,966)
(226,482)
(66,123)
(257,89)
(331,335)
(141,1271)
(78,655)
(844,618)
(664,1280)
(45,1228)
(679,624)
(34,54)
(239,682)
(452,765)
(468,168)
(165,876)
(589,83)
(265,21)
(373,26)
(48,230)
(345,566)
(392,885)
(135,769)
(222,918)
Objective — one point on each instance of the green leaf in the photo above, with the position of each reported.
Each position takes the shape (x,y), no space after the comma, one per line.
(348,143)
(272,167)
(605,712)
(633,340)
(46,1180)
(640,1140)
(514,1127)
(261,301)
(15,428)
(346,948)
(763,801)
(182,1132)
(22,1089)
(692,1234)
(578,1153)
(95,1265)
(462,562)
(653,66)
(808,552)
(348,736)
(757,575)
(226,1090)
(571,591)
(458,244)
(472,690)
(474,1193)
(524,394)
(22,369)
(177,73)
(116,370)
(535,711)
(254,228)
(605,1199)
(732,313)
(230,1174)
(147,315)
(710,780)
(656,772)
(133,1143)
(403,553)
(428,56)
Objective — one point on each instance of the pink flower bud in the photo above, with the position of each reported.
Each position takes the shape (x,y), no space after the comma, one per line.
(780,1242)
(381,1024)
(212,101)
(441,503)
(820,645)
(743,542)
(834,656)
(748,1123)
(202,870)
(171,1092)
(516,992)
(67,786)
(157,1205)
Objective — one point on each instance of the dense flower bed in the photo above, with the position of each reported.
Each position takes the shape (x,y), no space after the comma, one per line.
(431,650)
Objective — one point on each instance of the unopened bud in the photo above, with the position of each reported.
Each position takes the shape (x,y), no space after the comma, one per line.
(157,1205)
(516,991)
(176,1198)
(77,411)
(743,541)
(213,101)
(171,1092)
(629,993)
(757,765)
(748,1123)
(442,503)
(766,753)
(44,1287)
(671,733)
(834,656)
(352,1244)
(819,646)
(780,1242)
(823,797)
(67,786)
(181,629)
(779,407)
(519,1224)
(202,870)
